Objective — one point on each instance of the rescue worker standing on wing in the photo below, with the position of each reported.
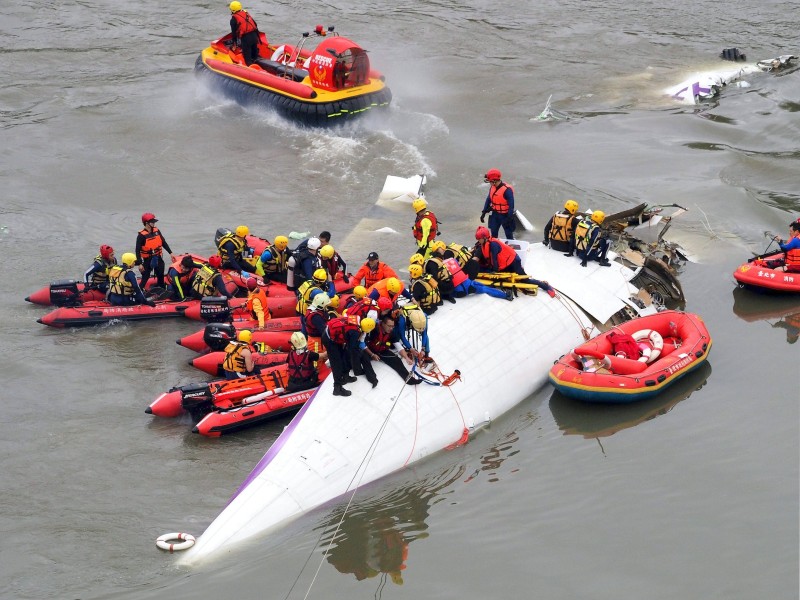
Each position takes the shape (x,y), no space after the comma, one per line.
(150,244)
(500,202)
(559,233)
(343,338)
(245,30)
(425,228)
(589,241)
(123,287)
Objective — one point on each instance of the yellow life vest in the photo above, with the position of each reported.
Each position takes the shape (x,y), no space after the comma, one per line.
(203,282)
(234,361)
(117,284)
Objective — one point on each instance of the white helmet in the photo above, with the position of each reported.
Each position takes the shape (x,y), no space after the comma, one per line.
(314,243)
(418,320)
(321,300)
(298,341)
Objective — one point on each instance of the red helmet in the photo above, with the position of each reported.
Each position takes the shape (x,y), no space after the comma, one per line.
(106,251)
(215,261)
(493,174)
(384,303)
(147,217)
(252,284)
(481,233)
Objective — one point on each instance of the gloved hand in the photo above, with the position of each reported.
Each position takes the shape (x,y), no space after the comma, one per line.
(483,217)
(569,254)
(546,242)
(584,263)
(345,278)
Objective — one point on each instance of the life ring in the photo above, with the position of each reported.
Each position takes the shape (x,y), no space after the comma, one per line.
(652,352)
(283,54)
(185,541)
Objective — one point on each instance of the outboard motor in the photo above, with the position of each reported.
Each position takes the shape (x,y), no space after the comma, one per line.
(196,398)
(215,309)
(218,335)
(64,293)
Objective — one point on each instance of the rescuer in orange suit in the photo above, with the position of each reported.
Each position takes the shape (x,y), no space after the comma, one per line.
(245,30)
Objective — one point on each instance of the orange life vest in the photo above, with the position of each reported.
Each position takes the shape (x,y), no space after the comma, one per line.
(417,229)
(561,228)
(153,244)
(497,199)
(381,287)
(244,23)
(793,259)
(262,297)
(505,257)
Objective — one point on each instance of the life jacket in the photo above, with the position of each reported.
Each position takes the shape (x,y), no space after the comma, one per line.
(234,361)
(362,308)
(339,327)
(274,260)
(382,291)
(311,329)
(203,282)
(262,297)
(432,297)
(442,274)
(583,233)
(417,228)
(372,277)
(244,23)
(153,244)
(497,199)
(623,344)
(301,367)
(238,242)
(117,284)
(456,271)
(184,277)
(793,260)
(505,257)
(379,341)
(300,255)
(461,253)
(101,277)
(561,228)
(304,295)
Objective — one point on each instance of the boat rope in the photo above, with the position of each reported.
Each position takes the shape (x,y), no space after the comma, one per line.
(586,332)
(362,469)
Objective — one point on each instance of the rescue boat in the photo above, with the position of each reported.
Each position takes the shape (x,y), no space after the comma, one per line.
(760,275)
(666,346)
(329,85)
(97,312)
(199,341)
(335,444)
(227,406)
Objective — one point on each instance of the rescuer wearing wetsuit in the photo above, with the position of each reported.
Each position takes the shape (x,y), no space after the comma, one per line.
(245,29)
(150,244)
(500,202)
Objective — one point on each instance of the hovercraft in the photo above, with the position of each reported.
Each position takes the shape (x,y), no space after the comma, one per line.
(329,85)
(665,347)
(765,274)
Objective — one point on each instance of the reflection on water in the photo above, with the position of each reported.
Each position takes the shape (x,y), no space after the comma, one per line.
(781,312)
(372,539)
(603,420)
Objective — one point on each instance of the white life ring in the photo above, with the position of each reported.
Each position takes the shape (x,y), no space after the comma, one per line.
(283,55)
(185,541)
(649,354)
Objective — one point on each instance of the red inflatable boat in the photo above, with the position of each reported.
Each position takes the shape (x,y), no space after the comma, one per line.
(665,346)
(762,275)
(94,313)
(211,362)
(226,406)
(198,341)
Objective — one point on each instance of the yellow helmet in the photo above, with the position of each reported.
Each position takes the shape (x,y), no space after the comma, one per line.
(367,324)
(235,6)
(245,335)
(419,204)
(415,271)
(416,259)
(359,291)
(571,206)
(326,251)
(334,303)
(242,231)
(129,259)
(320,276)
(298,340)
(598,217)
(393,285)
(281,242)
(438,245)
